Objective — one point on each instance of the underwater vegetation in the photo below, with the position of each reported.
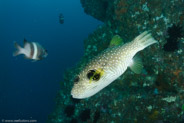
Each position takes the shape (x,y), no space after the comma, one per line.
(154,96)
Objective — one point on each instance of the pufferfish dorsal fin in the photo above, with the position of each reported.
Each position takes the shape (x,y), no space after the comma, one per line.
(136,65)
(116,40)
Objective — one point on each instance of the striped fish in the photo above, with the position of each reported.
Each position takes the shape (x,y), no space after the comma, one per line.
(109,65)
(31,50)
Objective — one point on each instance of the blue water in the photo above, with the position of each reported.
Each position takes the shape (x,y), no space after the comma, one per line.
(28,89)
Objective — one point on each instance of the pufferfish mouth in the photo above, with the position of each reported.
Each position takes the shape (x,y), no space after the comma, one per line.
(73,95)
(77,91)
(76,95)
(82,93)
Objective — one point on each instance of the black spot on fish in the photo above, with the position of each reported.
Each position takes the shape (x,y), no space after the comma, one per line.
(76,79)
(94,75)
(90,73)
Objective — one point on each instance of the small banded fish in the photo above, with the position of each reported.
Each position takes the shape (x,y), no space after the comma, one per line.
(31,50)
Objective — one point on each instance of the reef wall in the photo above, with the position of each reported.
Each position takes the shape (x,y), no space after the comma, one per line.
(157,94)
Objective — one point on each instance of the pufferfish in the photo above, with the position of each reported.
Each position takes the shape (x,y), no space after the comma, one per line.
(109,65)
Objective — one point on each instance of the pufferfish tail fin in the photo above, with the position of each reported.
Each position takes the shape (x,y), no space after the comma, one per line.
(144,40)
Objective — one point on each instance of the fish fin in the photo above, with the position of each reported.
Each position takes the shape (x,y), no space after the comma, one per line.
(18,49)
(116,40)
(137,65)
(25,57)
(25,42)
(144,40)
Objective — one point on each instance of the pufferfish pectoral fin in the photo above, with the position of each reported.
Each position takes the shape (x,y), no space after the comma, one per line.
(137,65)
(116,40)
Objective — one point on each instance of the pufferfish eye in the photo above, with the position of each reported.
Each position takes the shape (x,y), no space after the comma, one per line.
(90,74)
(93,74)
(76,79)
(96,77)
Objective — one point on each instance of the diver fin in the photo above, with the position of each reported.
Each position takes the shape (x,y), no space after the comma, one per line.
(18,49)
(137,66)
(116,40)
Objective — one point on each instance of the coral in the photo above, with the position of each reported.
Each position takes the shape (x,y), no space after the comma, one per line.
(85,115)
(75,101)
(175,32)
(73,121)
(97,116)
(102,7)
(162,84)
(154,115)
(69,110)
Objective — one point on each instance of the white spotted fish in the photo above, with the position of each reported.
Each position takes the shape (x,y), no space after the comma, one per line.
(31,50)
(109,65)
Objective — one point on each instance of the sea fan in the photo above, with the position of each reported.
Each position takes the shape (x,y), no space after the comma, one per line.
(175,32)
